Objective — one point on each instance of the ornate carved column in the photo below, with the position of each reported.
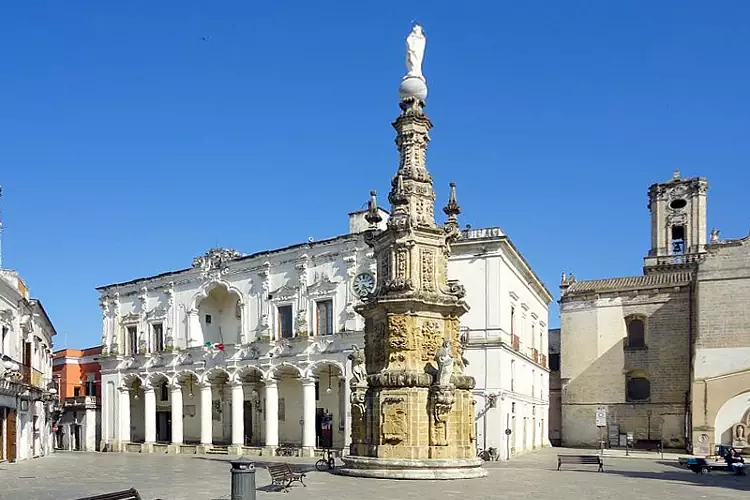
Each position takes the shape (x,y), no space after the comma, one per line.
(272,414)
(207,431)
(265,285)
(301,323)
(143,343)
(171,333)
(308,414)
(195,335)
(116,342)
(177,428)
(149,413)
(418,401)
(106,335)
(238,414)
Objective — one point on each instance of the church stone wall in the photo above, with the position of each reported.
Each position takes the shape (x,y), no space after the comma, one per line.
(595,363)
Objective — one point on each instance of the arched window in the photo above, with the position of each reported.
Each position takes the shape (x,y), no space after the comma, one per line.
(638,386)
(636,332)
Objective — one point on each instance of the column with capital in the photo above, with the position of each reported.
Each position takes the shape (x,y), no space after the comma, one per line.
(238,414)
(308,416)
(149,413)
(177,432)
(272,414)
(124,414)
(206,410)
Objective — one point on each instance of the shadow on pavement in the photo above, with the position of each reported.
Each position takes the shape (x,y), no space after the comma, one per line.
(715,479)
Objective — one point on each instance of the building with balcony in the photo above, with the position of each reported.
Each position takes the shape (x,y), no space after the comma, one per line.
(77,375)
(251,353)
(26,393)
(664,356)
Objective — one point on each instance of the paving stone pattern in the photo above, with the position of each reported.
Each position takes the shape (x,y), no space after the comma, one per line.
(66,476)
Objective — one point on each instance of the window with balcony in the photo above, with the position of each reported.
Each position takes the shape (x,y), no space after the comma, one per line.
(157,330)
(132,340)
(285,322)
(324,315)
(76,391)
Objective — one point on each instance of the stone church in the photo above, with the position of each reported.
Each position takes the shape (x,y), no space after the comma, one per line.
(664,356)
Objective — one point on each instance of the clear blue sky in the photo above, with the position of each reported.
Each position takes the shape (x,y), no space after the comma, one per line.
(130,144)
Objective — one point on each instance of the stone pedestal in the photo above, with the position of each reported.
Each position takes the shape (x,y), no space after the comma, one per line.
(395,468)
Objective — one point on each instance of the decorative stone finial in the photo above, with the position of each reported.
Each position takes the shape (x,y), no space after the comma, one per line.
(676,175)
(452,210)
(373,216)
(715,235)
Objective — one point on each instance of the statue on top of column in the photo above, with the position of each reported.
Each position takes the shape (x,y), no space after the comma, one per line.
(415,44)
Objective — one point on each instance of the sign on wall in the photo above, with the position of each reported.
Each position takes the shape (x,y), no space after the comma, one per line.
(601,416)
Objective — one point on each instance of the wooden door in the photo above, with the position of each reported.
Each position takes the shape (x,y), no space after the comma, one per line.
(247,414)
(10,453)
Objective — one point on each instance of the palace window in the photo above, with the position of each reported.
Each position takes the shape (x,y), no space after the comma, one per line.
(158,336)
(636,332)
(5,335)
(285,322)
(164,391)
(132,340)
(324,315)
(76,391)
(91,384)
(638,386)
(512,375)
(512,320)
(533,337)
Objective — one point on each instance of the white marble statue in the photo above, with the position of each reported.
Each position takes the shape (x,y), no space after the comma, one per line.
(445,364)
(415,44)
(359,372)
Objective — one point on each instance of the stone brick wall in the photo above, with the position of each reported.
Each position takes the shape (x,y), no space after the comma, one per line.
(595,362)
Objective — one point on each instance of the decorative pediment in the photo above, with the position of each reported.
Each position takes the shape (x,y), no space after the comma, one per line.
(285,293)
(215,261)
(131,317)
(323,286)
(157,313)
(6,317)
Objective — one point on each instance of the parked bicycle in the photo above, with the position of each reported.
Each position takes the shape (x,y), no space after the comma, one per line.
(326,463)
(488,455)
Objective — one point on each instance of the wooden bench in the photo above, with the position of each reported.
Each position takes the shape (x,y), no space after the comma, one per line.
(131,494)
(282,475)
(580,459)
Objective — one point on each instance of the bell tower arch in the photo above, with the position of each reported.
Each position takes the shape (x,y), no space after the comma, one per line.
(678,221)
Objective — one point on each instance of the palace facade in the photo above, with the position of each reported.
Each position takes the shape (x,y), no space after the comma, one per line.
(251,353)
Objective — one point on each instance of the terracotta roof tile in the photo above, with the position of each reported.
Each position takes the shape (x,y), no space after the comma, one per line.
(653,280)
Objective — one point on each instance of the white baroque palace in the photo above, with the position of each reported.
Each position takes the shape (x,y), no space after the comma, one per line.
(252,353)
(27,396)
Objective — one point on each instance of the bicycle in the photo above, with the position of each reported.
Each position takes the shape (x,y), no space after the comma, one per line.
(327,463)
(488,455)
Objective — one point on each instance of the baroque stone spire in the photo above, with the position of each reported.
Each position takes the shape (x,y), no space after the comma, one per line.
(415,405)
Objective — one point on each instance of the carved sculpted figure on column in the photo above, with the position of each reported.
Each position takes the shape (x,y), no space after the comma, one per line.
(445,364)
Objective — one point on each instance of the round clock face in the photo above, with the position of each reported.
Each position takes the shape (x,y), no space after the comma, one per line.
(364,284)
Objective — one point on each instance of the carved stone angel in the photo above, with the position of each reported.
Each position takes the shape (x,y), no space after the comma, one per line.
(359,372)
(445,363)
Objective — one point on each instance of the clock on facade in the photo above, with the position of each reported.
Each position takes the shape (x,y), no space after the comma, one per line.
(363,284)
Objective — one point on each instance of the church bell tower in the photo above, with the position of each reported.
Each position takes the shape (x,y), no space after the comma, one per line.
(678,222)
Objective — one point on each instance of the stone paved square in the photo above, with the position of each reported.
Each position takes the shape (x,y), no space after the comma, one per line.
(66,476)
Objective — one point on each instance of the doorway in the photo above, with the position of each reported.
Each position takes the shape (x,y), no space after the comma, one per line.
(163,426)
(247,418)
(75,436)
(10,441)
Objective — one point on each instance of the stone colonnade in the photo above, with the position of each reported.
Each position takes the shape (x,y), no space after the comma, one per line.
(148,388)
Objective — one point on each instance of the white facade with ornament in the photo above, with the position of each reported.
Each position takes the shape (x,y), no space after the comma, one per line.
(251,353)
